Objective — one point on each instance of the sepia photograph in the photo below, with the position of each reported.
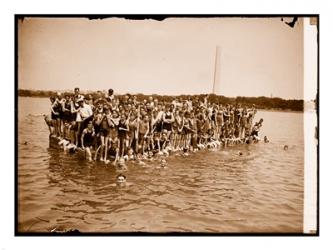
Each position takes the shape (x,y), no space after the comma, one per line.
(166,125)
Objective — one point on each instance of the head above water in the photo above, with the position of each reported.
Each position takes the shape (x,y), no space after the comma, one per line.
(121,162)
(163,163)
(121,179)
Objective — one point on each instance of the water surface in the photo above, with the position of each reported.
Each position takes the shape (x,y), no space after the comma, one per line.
(209,191)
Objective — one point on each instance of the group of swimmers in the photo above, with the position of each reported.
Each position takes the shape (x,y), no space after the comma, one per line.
(121,128)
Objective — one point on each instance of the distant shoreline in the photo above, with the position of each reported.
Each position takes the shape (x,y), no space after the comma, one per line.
(261,103)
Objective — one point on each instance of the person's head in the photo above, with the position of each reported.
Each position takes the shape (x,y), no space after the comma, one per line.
(261,120)
(106,109)
(132,116)
(87,99)
(163,163)
(150,98)
(146,118)
(81,102)
(121,162)
(52,99)
(123,117)
(59,95)
(77,91)
(110,92)
(164,132)
(130,151)
(121,179)
(114,114)
(90,125)
(67,97)
(99,105)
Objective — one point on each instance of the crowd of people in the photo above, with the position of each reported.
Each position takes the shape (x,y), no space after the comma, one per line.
(119,128)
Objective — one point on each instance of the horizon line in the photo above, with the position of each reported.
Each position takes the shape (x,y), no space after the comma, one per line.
(138,93)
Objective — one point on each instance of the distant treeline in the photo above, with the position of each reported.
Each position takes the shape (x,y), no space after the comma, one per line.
(261,102)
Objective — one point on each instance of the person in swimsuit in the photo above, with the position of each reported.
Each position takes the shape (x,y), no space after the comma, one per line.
(143,133)
(67,116)
(167,120)
(155,141)
(122,134)
(112,122)
(187,130)
(256,129)
(219,123)
(101,128)
(243,124)
(87,139)
(56,110)
(113,148)
(133,131)
(180,131)
(194,129)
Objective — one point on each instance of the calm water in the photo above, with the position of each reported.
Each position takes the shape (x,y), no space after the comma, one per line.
(209,191)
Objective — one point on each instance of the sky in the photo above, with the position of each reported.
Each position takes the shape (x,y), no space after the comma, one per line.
(256,56)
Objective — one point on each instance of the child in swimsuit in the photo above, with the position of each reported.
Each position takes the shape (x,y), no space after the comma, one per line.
(87,139)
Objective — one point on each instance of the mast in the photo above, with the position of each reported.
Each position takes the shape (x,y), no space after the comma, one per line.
(215,68)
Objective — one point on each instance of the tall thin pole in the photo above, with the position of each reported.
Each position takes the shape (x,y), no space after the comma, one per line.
(215,75)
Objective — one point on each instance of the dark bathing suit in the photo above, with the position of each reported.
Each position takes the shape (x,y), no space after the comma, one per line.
(167,126)
(88,138)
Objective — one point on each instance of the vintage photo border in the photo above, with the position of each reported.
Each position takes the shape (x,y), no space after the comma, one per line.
(161,17)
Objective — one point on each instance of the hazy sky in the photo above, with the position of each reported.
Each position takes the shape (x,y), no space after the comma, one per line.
(258,56)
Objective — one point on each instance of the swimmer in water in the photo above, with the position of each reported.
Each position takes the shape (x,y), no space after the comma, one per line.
(121,180)
(266,139)
(163,163)
(285,147)
(121,163)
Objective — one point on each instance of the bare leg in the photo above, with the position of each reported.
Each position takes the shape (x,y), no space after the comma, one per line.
(88,153)
(106,148)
